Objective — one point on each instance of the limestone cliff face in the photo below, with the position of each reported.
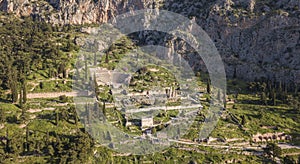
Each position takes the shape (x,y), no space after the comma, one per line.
(73,11)
(257,38)
(260,39)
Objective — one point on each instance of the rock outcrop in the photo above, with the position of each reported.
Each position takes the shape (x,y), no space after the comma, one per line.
(258,39)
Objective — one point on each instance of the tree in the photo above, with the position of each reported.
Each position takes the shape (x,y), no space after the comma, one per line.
(264,98)
(85,68)
(95,59)
(208,89)
(63,98)
(58,145)
(88,113)
(56,117)
(50,150)
(104,111)
(26,145)
(234,73)
(7,144)
(2,116)
(64,114)
(106,57)
(153,130)
(244,120)
(72,153)
(21,99)
(274,97)
(108,136)
(219,95)
(23,115)
(294,102)
(272,150)
(41,85)
(288,160)
(24,92)
(225,101)
(31,46)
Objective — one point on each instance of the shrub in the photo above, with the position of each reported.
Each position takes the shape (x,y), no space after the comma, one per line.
(63,98)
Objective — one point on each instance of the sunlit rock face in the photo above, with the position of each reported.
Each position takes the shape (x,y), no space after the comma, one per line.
(73,11)
(258,39)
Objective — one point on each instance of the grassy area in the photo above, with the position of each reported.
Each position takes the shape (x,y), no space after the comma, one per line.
(53,86)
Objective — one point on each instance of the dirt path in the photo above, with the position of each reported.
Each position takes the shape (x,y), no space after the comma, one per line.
(242,147)
(55,94)
(297,153)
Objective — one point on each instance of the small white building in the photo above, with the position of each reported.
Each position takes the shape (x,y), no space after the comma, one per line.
(147,122)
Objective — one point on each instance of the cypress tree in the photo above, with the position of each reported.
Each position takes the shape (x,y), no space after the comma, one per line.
(104,111)
(208,89)
(14,92)
(24,92)
(47,138)
(296,89)
(27,140)
(224,99)
(7,145)
(274,97)
(21,99)
(85,68)
(56,117)
(264,98)
(234,73)
(95,59)
(106,57)
(219,95)
(2,116)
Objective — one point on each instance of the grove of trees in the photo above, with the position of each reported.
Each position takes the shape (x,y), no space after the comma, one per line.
(29,47)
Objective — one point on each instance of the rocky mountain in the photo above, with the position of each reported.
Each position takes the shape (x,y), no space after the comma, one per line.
(256,38)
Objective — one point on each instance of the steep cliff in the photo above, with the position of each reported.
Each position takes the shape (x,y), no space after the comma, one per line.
(260,39)
(73,11)
(257,38)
